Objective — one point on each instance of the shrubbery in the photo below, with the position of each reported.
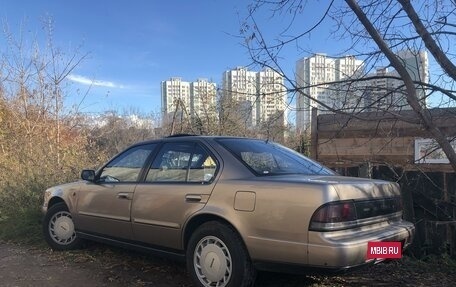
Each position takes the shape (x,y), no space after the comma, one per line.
(40,144)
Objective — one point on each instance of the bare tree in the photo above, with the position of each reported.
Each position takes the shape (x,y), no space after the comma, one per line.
(378,30)
(112,132)
(38,145)
(411,91)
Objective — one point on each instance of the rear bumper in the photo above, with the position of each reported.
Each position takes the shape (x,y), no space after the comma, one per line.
(332,251)
(346,249)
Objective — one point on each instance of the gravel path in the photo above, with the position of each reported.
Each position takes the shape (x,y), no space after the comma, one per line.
(25,266)
(101,265)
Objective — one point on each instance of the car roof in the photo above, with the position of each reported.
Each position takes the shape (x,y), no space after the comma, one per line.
(178,137)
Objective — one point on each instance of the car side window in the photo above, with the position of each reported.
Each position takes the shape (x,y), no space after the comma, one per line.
(262,161)
(127,166)
(203,166)
(182,162)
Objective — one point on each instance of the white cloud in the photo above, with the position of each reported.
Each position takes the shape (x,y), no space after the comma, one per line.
(92,82)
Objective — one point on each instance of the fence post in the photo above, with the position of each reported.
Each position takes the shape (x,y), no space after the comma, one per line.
(314,134)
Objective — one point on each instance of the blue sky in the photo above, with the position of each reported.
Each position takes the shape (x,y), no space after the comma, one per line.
(134,45)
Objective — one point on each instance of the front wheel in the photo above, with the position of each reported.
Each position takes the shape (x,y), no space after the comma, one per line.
(58,228)
(216,256)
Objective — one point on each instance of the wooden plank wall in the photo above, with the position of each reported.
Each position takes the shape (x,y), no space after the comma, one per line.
(339,140)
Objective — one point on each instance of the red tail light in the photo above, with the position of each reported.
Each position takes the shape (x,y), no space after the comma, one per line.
(339,215)
(335,212)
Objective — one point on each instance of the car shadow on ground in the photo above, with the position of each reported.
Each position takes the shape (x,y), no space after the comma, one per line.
(139,269)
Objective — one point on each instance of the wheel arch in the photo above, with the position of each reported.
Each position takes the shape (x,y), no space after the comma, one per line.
(199,220)
(56,199)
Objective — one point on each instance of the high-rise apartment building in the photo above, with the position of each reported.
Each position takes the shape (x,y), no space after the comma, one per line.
(314,75)
(416,63)
(203,98)
(175,96)
(317,77)
(386,91)
(272,99)
(240,86)
(260,96)
(193,99)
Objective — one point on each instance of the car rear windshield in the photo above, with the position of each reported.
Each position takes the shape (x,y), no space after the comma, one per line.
(269,158)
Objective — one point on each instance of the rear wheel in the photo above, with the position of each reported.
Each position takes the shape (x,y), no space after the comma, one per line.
(58,228)
(216,256)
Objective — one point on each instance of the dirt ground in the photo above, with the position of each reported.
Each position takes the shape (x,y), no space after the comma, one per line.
(100,265)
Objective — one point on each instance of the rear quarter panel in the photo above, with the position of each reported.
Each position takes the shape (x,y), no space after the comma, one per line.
(277,227)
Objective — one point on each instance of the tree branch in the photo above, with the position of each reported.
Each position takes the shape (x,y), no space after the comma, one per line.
(412,98)
(429,42)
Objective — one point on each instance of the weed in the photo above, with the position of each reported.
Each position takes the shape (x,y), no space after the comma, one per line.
(22,227)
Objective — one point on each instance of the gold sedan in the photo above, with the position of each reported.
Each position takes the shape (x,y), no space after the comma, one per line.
(228,206)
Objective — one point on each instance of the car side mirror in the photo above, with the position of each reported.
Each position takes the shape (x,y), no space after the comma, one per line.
(88,174)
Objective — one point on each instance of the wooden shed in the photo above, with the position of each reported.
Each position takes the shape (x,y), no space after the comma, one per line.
(380,138)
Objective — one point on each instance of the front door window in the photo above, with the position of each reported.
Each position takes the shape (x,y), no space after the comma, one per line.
(127,166)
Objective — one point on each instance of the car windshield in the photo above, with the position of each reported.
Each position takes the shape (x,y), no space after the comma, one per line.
(269,158)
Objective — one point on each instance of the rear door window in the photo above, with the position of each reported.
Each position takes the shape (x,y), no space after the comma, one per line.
(182,162)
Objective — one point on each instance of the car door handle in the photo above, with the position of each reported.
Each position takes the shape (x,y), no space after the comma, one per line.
(123,195)
(193,197)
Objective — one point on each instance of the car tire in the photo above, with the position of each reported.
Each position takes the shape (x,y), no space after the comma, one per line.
(216,256)
(58,228)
